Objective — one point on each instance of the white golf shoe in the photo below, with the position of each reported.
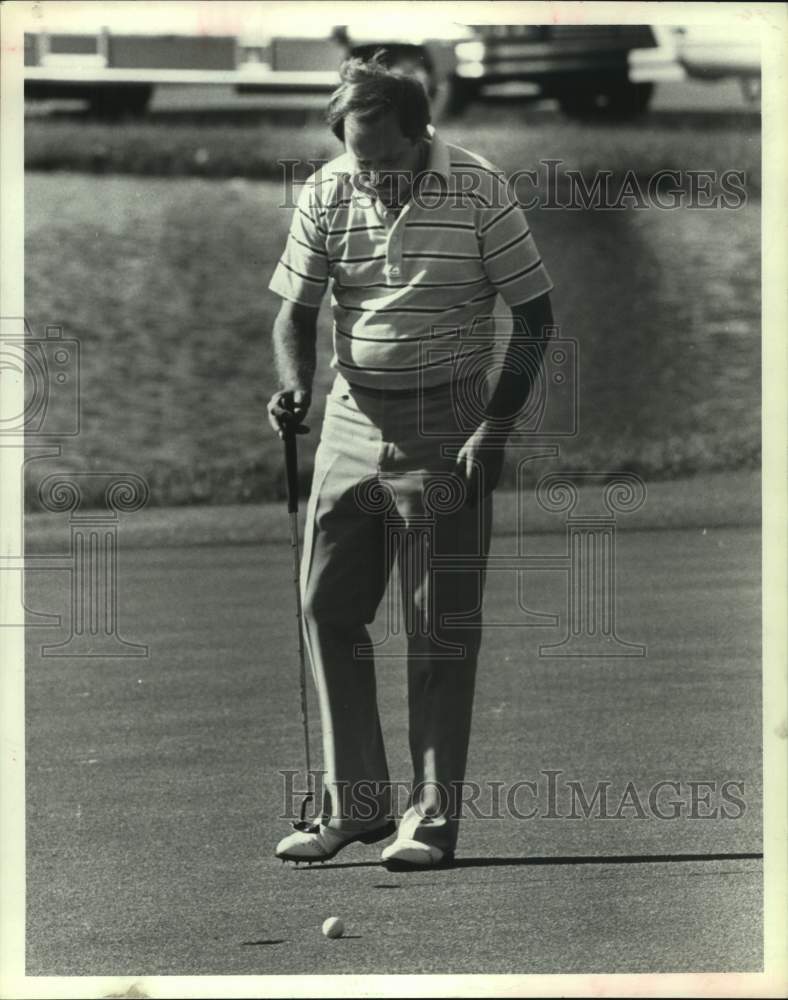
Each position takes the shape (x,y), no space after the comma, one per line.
(315,842)
(406,854)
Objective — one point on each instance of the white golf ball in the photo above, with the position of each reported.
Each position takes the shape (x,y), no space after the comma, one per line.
(333,927)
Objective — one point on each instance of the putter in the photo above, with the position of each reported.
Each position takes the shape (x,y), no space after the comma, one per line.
(291,469)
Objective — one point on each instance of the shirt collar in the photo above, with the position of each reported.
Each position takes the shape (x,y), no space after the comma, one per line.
(439,161)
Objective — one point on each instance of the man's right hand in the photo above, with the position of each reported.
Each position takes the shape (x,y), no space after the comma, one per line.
(287,409)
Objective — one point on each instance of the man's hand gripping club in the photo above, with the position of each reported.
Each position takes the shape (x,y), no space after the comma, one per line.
(294,336)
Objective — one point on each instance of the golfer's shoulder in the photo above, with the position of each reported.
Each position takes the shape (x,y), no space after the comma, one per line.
(327,186)
(472,172)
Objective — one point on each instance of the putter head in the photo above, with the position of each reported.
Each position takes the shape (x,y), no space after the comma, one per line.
(303,824)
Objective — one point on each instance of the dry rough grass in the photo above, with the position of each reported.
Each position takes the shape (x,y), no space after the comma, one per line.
(164,284)
(185,146)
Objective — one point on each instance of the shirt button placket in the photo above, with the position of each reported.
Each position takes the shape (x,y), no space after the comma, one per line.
(394,252)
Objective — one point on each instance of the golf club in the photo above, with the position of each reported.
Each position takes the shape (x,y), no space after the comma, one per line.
(291,470)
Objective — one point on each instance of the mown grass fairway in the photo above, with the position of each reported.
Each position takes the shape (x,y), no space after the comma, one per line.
(154,795)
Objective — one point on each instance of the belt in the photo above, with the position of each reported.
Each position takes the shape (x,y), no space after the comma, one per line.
(406,393)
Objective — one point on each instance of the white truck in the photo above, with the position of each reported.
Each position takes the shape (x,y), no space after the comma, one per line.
(707,52)
(115,71)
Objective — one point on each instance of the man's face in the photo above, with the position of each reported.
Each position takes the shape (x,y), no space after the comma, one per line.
(382,154)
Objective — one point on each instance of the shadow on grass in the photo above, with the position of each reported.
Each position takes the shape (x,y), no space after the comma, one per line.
(342,937)
(579,859)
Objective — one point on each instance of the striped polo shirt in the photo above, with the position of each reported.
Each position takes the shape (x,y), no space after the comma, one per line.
(412,294)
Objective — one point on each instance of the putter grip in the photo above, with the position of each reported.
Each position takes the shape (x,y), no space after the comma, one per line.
(291,470)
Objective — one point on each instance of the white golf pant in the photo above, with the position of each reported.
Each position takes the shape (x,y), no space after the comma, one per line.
(383,492)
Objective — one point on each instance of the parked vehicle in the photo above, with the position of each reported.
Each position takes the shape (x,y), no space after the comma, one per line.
(584,67)
(721,52)
(115,73)
(427,49)
(703,52)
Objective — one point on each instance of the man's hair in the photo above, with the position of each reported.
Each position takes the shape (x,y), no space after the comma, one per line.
(370,90)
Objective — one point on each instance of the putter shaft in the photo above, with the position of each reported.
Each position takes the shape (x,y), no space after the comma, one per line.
(299,619)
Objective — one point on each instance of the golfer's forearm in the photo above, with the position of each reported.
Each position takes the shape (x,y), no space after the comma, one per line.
(522,361)
(295,356)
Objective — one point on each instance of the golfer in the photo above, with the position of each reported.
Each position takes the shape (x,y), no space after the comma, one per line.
(417,237)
